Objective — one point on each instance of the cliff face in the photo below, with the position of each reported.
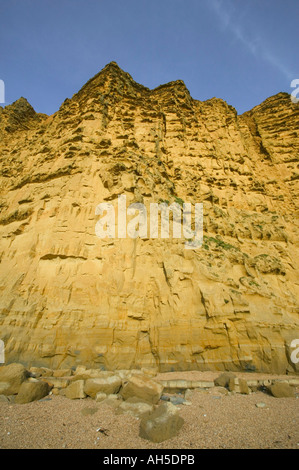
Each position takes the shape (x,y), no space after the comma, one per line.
(68,297)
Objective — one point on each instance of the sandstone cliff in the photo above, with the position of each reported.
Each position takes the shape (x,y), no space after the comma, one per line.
(68,297)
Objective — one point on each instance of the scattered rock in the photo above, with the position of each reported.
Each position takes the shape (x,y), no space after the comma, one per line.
(11,378)
(221,390)
(223,379)
(162,424)
(188,394)
(233,385)
(100,396)
(4,399)
(108,385)
(151,372)
(85,374)
(165,397)
(177,400)
(56,382)
(41,371)
(62,373)
(88,411)
(32,391)
(243,386)
(75,390)
(261,405)
(32,379)
(282,390)
(143,387)
(112,400)
(135,407)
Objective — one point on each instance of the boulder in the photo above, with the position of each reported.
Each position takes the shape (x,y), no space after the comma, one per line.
(57,382)
(162,424)
(41,371)
(143,387)
(32,391)
(223,379)
(112,400)
(62,373)
(135,407)
(282,390)
(85,374)
(11,378)
(243,386)
(75,390)
(108,385)
(100,396)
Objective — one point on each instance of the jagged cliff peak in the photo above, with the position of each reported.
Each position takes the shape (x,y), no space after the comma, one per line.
(17,116)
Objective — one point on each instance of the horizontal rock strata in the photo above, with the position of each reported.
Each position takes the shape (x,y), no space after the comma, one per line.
(70,298)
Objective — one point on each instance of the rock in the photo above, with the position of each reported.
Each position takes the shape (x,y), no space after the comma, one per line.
(135,407)
(223,379)
(32,391)
(100,396)
(106,385)
(243,386)
(11,378)
(162,424)
(261,405)
(62,373)
(92,374)
(180,385)
(112,400)
(165,397)
(4,399)
(188,394)
(233,385)
(177,400)
(75,390)
(41,372)
(282,390)
(143,387)
(56,382)
(221,390)
(88,411)
(151,372)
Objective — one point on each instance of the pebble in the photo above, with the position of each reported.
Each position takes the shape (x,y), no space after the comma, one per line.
(177,400)
(260,405)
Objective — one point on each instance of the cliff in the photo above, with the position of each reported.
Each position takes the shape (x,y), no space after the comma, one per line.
(68,297)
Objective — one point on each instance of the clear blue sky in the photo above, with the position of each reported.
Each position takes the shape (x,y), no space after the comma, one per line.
(241,51)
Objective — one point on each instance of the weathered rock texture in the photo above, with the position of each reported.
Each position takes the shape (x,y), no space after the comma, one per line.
(68,297)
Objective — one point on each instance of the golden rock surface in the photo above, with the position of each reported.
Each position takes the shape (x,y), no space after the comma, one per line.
(69,298)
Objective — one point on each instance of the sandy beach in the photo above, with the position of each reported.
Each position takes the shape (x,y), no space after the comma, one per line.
(212,421)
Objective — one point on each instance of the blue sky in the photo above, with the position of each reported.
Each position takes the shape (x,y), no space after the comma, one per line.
(240,51)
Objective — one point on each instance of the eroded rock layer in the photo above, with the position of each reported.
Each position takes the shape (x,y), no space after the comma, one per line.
(68,297)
